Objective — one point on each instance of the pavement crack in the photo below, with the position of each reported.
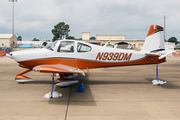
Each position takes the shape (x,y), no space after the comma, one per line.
(68,103)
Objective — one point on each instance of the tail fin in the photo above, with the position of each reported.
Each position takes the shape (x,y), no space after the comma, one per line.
(154,40)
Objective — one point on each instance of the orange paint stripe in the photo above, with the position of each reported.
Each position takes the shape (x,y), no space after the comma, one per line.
(151,30)
(83,64)
(53,61)
(88,71)
(21,77)
(157,27)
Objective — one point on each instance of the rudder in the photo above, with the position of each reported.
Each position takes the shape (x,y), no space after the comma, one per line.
(154,40)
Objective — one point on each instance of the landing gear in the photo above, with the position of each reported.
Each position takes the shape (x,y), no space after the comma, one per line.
(21,82)
(157,81)
(64,81)
(20,78)
(53,94)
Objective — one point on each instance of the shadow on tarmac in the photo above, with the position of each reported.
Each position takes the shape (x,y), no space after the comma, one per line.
(85,98)
(40,82)
(168,85)
(71,96)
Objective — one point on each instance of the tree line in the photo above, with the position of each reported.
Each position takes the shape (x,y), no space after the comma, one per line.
(61,31)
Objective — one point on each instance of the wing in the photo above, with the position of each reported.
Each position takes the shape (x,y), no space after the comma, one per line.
(59,68)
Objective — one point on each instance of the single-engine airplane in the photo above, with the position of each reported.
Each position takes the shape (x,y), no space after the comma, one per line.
(70,56)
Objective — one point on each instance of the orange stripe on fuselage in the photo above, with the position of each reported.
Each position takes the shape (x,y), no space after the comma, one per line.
(83,64)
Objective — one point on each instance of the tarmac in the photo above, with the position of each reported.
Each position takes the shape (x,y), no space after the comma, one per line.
(116,93)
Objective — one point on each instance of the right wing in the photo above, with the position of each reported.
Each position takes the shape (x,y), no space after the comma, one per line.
(58,68)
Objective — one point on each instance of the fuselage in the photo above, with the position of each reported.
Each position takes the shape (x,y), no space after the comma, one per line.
(81,55)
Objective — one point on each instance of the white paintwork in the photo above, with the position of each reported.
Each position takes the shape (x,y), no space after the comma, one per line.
(8,55)
(54,95)
(23,80)
(158,82)
(25,55)
(154,42)
(66,83)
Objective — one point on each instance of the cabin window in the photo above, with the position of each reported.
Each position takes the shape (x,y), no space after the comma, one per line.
(83,47)
(51,46)
(66,46)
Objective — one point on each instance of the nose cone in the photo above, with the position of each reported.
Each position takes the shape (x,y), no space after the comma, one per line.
(9,55)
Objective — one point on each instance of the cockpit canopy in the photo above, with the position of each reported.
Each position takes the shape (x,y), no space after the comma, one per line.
(68,46)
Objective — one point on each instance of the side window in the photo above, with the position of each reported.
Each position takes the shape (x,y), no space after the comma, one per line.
(83,47)
(66,46)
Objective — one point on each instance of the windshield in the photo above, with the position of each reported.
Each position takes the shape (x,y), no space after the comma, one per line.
(51,46)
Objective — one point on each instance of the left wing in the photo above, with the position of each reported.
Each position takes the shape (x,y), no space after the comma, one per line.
(58,68)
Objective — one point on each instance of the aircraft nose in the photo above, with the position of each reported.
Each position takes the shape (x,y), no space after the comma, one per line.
(9,55)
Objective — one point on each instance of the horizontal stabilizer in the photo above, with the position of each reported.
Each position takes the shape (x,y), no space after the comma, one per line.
(153,54)
(161,54)
(168,53)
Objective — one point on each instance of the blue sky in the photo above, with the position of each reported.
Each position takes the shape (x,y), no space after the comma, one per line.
(99,17)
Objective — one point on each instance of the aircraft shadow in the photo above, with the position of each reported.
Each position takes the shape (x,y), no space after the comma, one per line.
(40,82)
(71,96)
(168,85)
(85,98)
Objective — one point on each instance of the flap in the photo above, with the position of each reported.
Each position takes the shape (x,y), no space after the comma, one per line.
(57,69)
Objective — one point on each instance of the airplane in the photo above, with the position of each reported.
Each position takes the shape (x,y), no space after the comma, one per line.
(67,57)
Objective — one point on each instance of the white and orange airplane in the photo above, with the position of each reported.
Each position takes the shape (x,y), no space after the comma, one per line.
(71,56)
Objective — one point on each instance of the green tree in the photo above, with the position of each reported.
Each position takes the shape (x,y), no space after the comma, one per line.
(92,38)
(44,43)
(70,37)
(173,40)
(79,39)
(60,31)
(19,38)
(35,39)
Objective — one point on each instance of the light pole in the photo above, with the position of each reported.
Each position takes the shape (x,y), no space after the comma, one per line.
(13,20)
(164,26)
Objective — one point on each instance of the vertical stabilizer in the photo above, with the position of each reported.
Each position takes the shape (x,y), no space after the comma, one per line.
(154,40)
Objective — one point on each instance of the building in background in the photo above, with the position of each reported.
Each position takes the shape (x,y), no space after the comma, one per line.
(85,35)
(6,40)
(114,39)
(33,43)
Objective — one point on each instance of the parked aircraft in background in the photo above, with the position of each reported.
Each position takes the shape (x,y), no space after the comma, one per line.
(71,56)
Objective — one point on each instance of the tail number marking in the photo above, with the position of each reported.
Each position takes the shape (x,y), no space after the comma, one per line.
(113,56)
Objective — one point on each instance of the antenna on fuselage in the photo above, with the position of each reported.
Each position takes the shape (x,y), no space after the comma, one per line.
(107,43)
